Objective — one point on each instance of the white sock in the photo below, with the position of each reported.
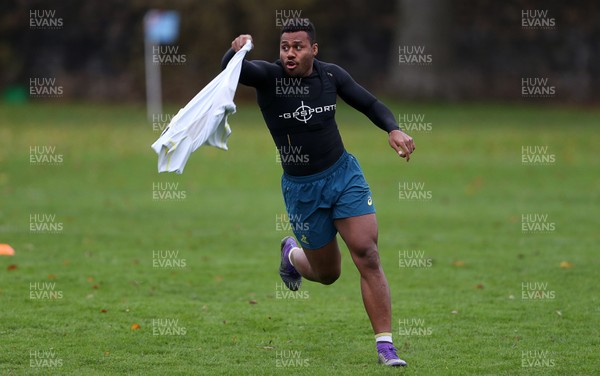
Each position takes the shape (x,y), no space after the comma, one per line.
(383,337)
(290,255)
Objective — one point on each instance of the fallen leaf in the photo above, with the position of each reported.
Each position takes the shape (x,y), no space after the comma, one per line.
(106,353)
(252,301)
(566,264)
(103,311)
(479,286)
(218,278)
(66,262)
(95,286)
(454,312)
(458,263)
(11,267)
(135,326)
(511,296)
(51,276)
(90,279)
(559,313)
(474,186)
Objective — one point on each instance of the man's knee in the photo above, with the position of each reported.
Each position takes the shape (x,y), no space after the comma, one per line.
(366,256)
(329,278)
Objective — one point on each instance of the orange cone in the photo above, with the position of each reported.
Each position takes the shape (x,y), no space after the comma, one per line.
(6,250)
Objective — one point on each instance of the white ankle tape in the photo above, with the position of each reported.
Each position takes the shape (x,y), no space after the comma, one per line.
(290,256)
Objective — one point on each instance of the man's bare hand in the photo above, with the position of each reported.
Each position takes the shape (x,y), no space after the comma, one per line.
(402,143)
(240,41)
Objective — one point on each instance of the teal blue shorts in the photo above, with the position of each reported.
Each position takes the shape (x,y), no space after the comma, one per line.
(313,202)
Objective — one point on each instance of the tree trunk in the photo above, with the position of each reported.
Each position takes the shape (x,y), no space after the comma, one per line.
(423,55)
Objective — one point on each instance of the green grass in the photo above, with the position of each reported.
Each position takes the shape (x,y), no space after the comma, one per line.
(225,230)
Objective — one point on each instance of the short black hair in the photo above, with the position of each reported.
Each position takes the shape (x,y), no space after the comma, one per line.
(300,24)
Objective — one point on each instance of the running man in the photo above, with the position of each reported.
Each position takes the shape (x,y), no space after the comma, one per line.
(323,186)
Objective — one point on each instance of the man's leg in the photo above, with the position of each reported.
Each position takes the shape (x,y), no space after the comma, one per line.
(321,265)
(360,235)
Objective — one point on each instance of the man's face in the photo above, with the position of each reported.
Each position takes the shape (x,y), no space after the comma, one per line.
(297,54)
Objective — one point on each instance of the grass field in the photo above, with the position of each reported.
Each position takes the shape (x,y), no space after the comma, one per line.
(103,242)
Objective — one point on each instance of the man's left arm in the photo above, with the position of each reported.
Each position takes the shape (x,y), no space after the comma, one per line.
(359,98)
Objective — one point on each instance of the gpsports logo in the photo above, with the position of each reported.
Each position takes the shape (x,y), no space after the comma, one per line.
(304,112)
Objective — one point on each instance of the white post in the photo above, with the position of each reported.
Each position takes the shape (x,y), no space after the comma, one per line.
(153,79)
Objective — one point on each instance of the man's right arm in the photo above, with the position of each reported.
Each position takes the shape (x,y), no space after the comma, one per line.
(253,73)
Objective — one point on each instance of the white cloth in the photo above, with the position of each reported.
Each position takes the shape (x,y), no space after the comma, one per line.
(203,120)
